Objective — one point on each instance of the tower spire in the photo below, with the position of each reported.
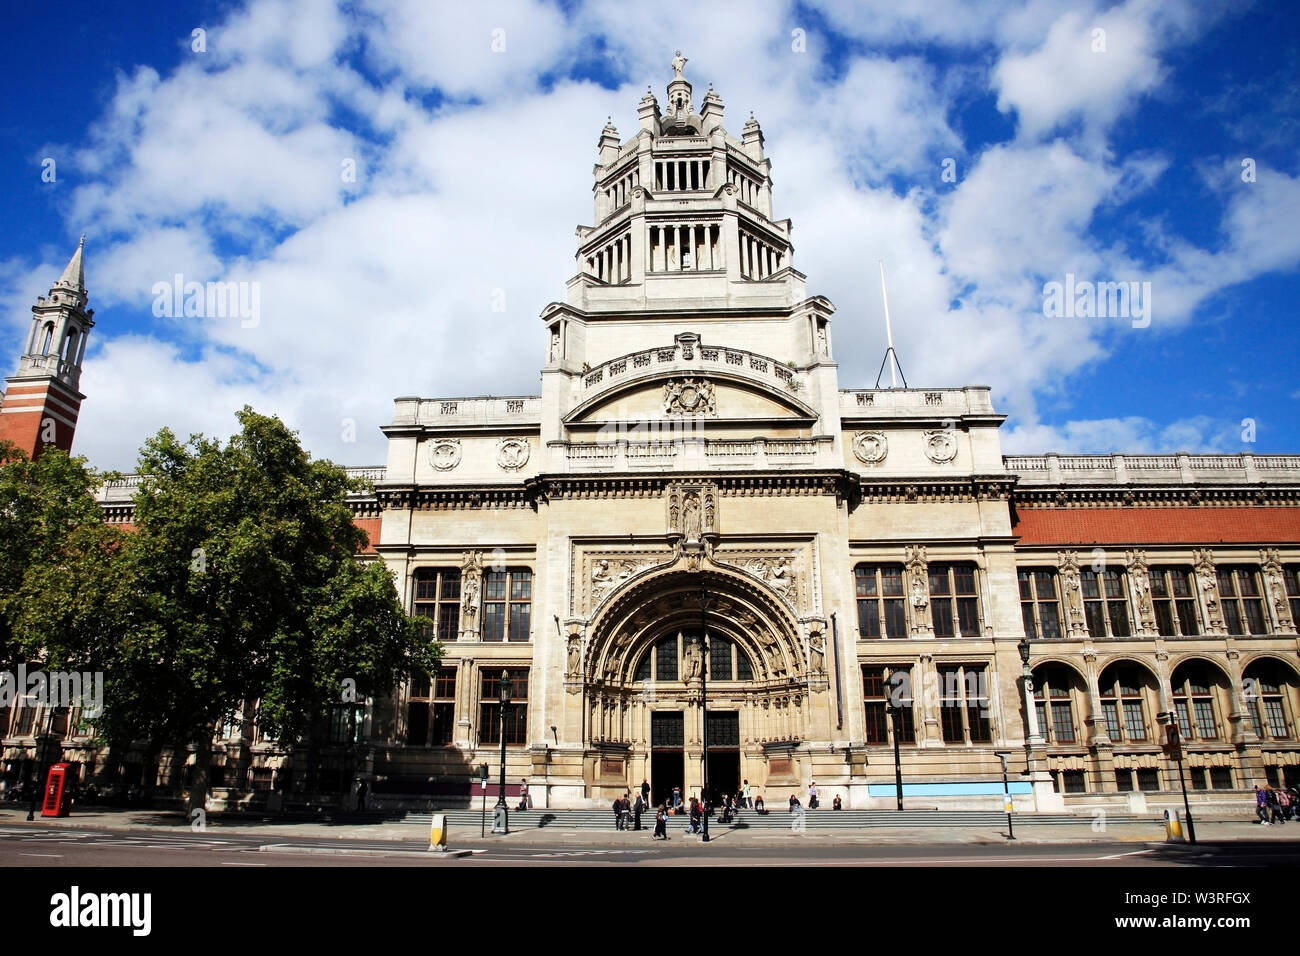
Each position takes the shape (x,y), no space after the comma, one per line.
(41,401)
(74,275)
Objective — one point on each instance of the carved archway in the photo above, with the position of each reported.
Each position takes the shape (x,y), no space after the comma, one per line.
(739,607)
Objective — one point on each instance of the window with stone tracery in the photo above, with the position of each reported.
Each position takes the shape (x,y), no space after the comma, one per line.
(879,590)
(954,603)
(437,599)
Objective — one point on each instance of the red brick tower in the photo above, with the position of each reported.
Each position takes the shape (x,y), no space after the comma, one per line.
(41,400)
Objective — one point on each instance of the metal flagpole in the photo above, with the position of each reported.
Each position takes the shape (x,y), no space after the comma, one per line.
(889,329)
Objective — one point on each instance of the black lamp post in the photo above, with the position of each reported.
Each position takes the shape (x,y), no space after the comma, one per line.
(38,791)
(504,699)
(892,711)
(704,702)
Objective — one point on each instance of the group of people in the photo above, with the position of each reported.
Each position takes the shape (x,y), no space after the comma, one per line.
(813,802)
(1276,804)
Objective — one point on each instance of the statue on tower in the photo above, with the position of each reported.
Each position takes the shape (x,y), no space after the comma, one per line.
(679,61)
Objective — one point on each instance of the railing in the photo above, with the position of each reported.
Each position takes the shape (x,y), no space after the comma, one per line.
(702,357)
(373,472)
(1183,468)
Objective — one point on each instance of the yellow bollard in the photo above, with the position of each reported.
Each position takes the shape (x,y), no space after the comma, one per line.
(438,832)
(1173,827)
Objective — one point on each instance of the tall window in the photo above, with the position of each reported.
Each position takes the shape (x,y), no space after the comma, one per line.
(1265,694)
(1040,606)
(507,604)
(1055,707)
(1193,688)
(489,709)
(880,684)
(1173,596)
(1122,703)
(954,607)
(1243,608)
(417,711)
(964,704)
(1291,575)
(444,707)
(437,597)
(1105,603)
(346,721)
(666,658)
(880,600)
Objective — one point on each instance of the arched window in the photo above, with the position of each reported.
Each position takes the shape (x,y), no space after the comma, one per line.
(49,338)
(69,345)
(662,662)
(1194,687)
(1123,702)
(1055,704)
(1270,693)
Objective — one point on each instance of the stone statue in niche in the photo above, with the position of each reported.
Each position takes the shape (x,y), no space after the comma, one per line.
(555,346)
(816,653)
(767,643)
(471,575)
(920,600)
(691,517)
(694,659)
(575,656)
(822,347)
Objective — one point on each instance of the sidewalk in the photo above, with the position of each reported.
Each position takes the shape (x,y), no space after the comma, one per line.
(530,835)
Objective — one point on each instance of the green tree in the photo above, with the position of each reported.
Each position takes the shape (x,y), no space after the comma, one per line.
(57,562)
(247,591)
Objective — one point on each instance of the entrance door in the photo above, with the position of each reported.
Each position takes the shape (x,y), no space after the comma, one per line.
(724,753)
(667,759)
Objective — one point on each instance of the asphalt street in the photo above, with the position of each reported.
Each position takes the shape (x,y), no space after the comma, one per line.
(57,846)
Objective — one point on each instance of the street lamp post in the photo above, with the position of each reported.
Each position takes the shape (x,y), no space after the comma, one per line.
(504,699)
(892,710)
(704,701)
(38,791)
(1031,712)
(1006,796)
(1174,744)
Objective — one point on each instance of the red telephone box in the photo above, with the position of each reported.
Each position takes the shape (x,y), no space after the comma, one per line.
(58,791)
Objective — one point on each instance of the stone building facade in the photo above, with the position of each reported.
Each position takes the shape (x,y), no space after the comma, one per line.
(865,565)
(693,464)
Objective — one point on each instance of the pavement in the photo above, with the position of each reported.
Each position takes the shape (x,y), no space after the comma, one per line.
(527,834)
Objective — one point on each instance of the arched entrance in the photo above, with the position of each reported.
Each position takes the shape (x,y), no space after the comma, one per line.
(646,676)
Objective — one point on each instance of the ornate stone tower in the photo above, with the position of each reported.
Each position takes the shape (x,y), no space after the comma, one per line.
(41,400)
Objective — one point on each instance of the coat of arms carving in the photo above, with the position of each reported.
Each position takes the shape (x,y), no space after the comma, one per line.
(689,396)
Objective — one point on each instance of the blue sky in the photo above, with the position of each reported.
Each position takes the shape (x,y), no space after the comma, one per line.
(1103,141)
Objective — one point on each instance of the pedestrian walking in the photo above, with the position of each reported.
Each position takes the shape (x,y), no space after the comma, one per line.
(361,795)
(1284,804)
(618,813)
(525,802)
(661,823)
(748,792)
(637,809)
(812,795)
(1274,811)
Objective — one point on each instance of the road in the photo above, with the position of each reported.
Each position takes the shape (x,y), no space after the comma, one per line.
(56,846)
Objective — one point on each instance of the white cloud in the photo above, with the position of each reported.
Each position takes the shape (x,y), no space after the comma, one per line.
(229,168)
